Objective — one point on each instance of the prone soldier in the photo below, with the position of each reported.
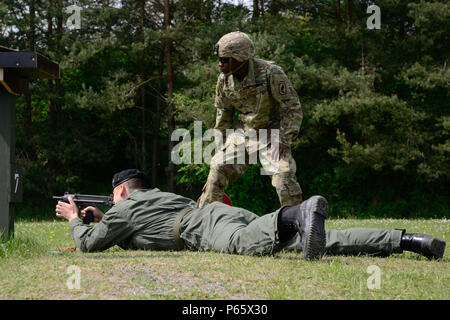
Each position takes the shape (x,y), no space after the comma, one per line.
(150,219)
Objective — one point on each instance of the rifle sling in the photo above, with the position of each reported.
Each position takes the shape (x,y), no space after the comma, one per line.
(176,227)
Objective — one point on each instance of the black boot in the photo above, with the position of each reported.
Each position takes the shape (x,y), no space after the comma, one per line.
(287,223)
(308,219)
(424,244)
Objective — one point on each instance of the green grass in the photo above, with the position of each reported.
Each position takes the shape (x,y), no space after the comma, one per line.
(31,267)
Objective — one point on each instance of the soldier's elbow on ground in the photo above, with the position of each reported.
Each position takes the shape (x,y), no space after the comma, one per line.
(89,248)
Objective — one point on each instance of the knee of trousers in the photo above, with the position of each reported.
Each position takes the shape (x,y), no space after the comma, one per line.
(231,171)
(216,182)
(213,190)
(288,189)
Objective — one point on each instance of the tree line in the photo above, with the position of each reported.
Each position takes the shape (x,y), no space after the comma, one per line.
(375,134)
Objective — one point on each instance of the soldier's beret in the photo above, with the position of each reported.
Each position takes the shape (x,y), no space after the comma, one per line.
(128,174)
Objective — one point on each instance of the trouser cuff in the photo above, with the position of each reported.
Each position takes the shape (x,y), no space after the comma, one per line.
(397,239)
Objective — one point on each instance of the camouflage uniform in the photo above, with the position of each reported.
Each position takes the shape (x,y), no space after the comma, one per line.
(265,99)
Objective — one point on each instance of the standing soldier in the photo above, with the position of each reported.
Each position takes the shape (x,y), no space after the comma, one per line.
(263,98)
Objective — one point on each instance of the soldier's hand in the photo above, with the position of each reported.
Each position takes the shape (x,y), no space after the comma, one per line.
(224,146)
(278,151)
(98,214)
(67,211)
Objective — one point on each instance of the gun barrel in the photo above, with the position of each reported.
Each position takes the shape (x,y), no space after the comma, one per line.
(87,199)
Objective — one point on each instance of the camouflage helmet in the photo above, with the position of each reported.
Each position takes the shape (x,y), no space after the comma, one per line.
(235,45)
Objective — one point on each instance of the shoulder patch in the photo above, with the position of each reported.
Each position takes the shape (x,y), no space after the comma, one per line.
(282,88)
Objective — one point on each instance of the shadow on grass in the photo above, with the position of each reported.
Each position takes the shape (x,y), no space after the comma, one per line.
(125,254)
(396,256)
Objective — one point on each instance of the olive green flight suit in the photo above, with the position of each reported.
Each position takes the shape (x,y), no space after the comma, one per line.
(145,221)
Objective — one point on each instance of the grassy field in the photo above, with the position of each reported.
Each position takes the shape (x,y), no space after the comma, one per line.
(31,267)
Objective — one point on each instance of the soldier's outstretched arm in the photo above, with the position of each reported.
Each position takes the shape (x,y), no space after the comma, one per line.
(114,228)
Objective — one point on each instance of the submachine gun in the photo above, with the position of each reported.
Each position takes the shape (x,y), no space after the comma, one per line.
(86,200)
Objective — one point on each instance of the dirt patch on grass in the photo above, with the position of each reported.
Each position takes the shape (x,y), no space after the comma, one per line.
(164,280)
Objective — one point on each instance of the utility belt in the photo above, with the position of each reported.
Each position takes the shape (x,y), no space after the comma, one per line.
(176,227)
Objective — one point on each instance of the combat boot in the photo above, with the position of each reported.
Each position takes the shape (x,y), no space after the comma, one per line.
(424,244)
(308,219)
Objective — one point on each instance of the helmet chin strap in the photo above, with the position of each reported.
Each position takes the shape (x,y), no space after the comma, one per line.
(233,71)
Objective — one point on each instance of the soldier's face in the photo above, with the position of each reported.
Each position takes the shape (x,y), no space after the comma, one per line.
(225,64)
